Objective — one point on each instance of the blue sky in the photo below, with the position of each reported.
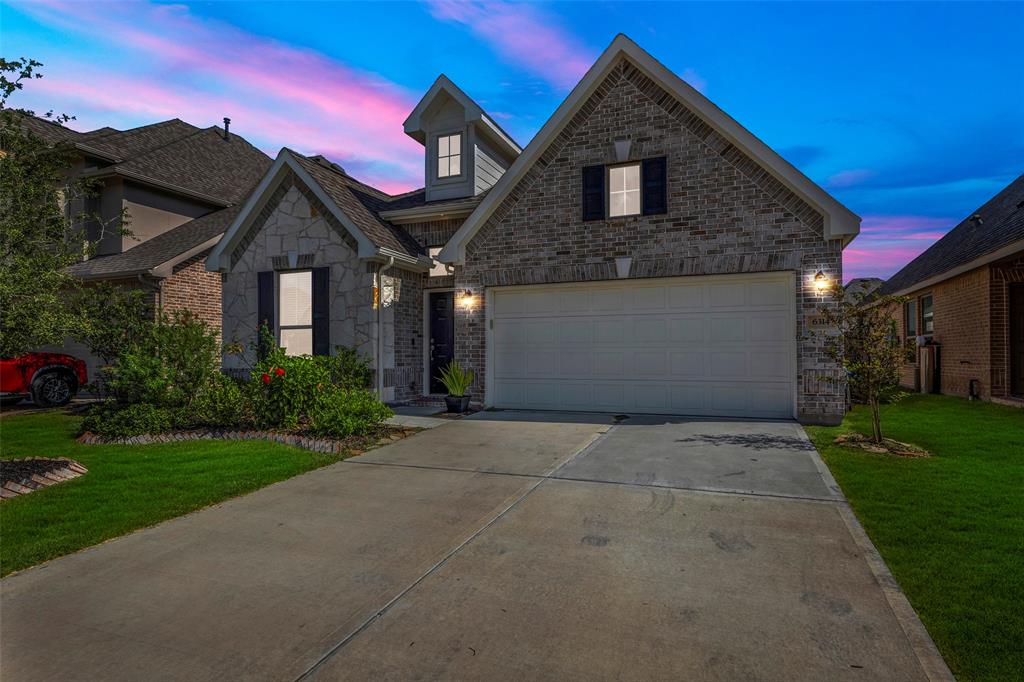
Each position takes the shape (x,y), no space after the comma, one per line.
(911,114)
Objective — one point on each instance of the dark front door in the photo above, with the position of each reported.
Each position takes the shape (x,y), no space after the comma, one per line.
(1017,339)
(442,336)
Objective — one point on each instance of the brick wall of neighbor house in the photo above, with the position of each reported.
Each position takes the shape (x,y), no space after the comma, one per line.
(295,221)
(1003,275)
(726,215)
(961,327)
(191,287)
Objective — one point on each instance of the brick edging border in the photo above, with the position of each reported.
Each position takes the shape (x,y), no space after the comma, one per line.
(328,445)
(70,470)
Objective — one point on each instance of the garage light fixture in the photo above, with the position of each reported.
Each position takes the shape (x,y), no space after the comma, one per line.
(821,282)
(466,299)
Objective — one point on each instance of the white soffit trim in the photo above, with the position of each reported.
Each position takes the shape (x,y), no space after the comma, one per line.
(219,259)
(840,222)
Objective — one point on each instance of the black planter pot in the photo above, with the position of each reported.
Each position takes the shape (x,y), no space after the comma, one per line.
(457,404)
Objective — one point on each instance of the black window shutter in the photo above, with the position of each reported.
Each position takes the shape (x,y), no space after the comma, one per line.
(321,311)
(593,192)
(264,308)
(654,174)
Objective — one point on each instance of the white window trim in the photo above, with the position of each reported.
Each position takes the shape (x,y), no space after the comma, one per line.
(461,154)
(639,189)
(277,304)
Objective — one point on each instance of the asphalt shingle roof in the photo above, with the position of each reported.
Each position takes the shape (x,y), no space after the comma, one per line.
(160,249)
(123,145)
(1001,223)
(202,162)
(360,202)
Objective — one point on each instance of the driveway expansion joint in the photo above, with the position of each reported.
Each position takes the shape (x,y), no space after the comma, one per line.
(331,652)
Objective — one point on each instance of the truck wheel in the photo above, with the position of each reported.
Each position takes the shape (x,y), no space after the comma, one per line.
(53,389)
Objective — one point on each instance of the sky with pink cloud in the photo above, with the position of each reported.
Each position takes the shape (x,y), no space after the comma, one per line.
(910,114)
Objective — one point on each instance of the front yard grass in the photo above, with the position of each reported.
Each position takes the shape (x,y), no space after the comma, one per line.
(951,526)
(127,487)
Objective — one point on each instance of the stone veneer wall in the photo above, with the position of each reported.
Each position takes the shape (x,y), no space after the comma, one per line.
(295,221)
(726,215)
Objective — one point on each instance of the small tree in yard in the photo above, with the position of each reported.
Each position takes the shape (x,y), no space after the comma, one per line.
(863,340)
(41,233)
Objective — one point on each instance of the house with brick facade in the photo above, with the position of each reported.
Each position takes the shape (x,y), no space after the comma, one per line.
(644,253)
(964,317)
(179,186)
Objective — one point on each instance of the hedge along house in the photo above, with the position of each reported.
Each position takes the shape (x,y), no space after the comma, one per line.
(644,253)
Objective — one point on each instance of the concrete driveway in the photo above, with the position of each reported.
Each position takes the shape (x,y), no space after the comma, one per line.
(504,546)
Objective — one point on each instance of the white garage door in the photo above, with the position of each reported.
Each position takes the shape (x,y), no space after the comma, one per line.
(717,346)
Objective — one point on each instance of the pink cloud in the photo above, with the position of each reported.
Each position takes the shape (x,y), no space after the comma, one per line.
(522,34)
(888,242)
(201,70)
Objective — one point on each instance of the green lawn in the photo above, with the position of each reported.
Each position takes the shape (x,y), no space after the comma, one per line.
(127,487)
(950,527)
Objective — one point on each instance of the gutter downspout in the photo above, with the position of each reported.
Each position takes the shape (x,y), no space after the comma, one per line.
(157,289)
(380,326)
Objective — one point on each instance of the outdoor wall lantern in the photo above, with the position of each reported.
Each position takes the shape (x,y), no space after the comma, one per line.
(466,299)
(821,282)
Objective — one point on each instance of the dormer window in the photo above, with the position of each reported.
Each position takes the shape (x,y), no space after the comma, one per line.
(449,155)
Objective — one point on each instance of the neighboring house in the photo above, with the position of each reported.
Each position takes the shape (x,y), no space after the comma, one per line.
(967,304)
(644,253)
(180,187)
(862,289)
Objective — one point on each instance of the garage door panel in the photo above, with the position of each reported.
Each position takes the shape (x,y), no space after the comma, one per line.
(686,297)
(770,294)
(538,333)
(650,363)
(677,346)
(575,364)
(575,332)
(727,295)
(649,330)
(609,363)
(649,298)
(687,364)
(733,328)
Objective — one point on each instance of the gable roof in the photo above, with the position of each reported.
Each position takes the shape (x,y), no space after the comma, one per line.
(202,163)
(474,113)
(994,230)
(159,255)
(839,221)
(354,204)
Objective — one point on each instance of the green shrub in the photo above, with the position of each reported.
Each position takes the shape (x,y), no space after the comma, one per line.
(348,369)
(169,364)
(343,413)
(221,402)
(115,420)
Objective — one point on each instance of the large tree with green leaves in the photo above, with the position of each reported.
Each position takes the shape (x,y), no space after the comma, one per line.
(861,337)
(42,222)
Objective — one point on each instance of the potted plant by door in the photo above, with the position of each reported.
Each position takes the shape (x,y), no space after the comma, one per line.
(457,381)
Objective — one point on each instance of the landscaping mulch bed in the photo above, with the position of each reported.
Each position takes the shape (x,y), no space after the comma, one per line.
(353,445)
(888,446)
(22,476)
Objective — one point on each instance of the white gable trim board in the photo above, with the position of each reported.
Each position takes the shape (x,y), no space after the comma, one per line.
(721,345)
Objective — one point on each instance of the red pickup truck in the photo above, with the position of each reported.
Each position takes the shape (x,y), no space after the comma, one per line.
(50,379)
